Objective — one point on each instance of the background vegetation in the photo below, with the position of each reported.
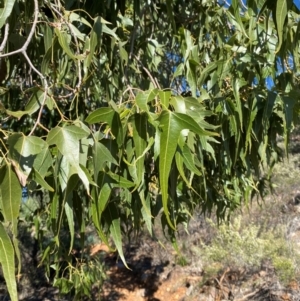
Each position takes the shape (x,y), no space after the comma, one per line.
(92,115)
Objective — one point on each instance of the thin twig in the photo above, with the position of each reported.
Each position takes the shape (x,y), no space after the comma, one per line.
(130,89)
(158,85)
(37,122)
(35,70)
(243,5)
(44,128)
(6,30)
(148,72)
(248,295)
(31,33)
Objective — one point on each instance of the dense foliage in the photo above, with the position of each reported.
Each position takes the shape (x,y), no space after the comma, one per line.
(93,114)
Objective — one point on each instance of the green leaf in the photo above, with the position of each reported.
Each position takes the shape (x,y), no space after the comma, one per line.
(64,40)
(139,124)
(192,77)
(6,11)
(188,122)
(48,36)
(172,124)
(23,151)
(180,168)
(208,69)
(68,207)
(113,220)
(33,105)
(165,97)
(281,13)
(168,144)
(25,145)
(11,195)
(112,118)
(83,174)
(120,181)
(189,161)
(73,17)
(7,260)
(179,70)
(109,31)
(67,141)
(37,177)
(95,40)
(146,211)
(289,104)
(101,155)
(142,99)
(104,182)
(235,4)
(237,84)
(99,205)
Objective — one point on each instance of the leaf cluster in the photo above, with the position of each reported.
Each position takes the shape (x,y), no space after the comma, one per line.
(92,112)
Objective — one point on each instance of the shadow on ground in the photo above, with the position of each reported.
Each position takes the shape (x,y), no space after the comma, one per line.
(142,278)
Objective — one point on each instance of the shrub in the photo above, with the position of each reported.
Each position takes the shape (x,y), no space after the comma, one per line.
(235,245)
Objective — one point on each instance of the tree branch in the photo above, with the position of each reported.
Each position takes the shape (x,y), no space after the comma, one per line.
(31,33)
(6,30)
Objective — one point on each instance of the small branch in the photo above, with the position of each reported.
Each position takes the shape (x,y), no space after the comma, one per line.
(35,70)
(44,128)
(155,84)
(247,296)
(37,122)
(130,89)
(6,30)
(243,5)
(65,96)
(31,33)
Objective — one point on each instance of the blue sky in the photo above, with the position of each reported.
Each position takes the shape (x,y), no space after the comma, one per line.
(297,2)
(269,81)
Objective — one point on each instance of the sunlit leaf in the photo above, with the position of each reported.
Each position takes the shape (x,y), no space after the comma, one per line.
(67,140)
(143,98)
(281,13)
